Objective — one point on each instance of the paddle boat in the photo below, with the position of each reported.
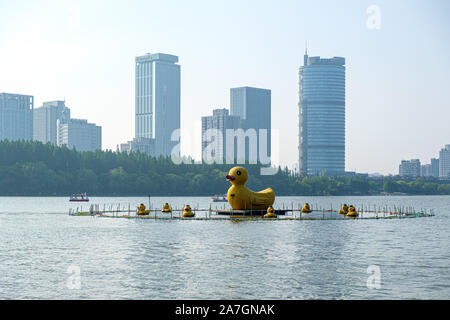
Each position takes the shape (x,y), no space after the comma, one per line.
(306,208)
(352,212)
(219,198)
(270,213)
(141,210)
(188,213)
(82,197)
(166,208)
(344,209)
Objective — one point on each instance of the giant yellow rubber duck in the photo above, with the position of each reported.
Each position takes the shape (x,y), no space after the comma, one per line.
(242,198)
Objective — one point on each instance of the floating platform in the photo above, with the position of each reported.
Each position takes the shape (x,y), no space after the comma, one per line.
(258,213)
(250,218)
(246,215)
(283,214)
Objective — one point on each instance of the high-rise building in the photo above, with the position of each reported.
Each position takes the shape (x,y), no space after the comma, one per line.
(435,167)
(157,100)
(253,106)
(322,116)
(45,120)
(431,169)
(425,170)
(444,162)
(214,132)
(16,116)
(79,134)
(409,168)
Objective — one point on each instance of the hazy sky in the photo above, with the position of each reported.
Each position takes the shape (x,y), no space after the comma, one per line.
(398,76)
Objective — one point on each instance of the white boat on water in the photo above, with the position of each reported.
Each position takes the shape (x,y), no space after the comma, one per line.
(219,198)
(82,197)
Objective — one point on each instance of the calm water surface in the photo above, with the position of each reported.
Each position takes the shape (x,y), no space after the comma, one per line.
(42,247)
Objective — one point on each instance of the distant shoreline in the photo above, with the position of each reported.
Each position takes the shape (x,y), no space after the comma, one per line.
(35,169)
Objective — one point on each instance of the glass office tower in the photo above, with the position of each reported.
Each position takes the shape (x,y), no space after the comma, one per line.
(253,106)
(157,100)
(16,116)
(322,116)
(444,162)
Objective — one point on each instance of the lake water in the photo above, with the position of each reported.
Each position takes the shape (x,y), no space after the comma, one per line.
(47,254)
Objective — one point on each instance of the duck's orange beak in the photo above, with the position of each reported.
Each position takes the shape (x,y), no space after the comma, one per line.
(229,177)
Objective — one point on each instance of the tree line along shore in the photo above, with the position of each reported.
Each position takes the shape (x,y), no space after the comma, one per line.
(37,169)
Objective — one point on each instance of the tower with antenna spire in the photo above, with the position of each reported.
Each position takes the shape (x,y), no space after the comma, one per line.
(305,57)
(322,115)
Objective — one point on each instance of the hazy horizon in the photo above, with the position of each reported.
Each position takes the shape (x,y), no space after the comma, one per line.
(397,97)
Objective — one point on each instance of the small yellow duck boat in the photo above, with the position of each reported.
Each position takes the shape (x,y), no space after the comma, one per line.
(352,212)
(141,211)
(344,209)
(166,208)
(188,213)
(306,208)
(270,214)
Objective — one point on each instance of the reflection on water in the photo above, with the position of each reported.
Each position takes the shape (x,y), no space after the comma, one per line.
(148,259)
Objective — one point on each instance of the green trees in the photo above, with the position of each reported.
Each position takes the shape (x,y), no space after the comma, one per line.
(418,186)
(33,168)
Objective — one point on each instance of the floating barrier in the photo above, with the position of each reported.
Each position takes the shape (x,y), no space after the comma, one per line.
(257,213)
(278,214)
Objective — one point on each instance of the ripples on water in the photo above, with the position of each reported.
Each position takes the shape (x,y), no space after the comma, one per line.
(147,259)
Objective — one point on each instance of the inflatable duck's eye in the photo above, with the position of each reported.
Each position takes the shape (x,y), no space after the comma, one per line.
(238,173)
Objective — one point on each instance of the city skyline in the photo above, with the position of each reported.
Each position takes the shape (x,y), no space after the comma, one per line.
(437,167)
(383,90)
(243,101)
